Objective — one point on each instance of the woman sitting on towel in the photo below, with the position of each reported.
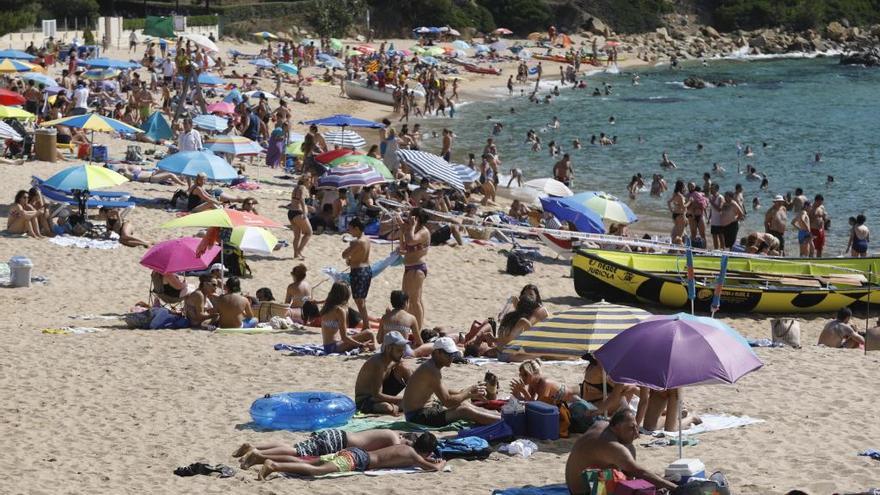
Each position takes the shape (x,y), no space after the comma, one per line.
(334,320)
(528,290)
(532,386)
(514,323)
(601,391)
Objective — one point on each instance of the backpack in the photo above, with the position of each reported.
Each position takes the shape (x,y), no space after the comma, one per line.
(495,432)
(233,260)
(469,448)
(518,264)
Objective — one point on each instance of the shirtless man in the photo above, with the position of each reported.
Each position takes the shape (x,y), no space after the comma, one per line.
(382,377)
(446,153)
(818,217)
(608,444)
(838,333)
(427,381)
(775,221)
(421,194)
(761,243)
(666,163)
(658,185)
(234,309)
(801,222)
(797,202)
(197,306)
(357,256)
(562,170)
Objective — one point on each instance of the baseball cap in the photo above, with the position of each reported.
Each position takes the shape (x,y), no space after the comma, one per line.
(393,339)
(218,266)
(778,197)
(446,345)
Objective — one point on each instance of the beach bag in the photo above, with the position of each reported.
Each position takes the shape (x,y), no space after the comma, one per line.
(495,432)
(786,331)
(233,260)
(635,487)
(582,417)
(564,419)
(468,448)
(602,481)
(134,154)
(518,264)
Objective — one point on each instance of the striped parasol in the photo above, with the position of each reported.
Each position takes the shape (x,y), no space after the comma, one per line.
(431,167)
(12,65)
(568,335)
(209,122)
(94,122)
(606,206)
(374,163)
(465,173)
(350,175)
(101,74)
(253,240)
(328,156)
(234,145)
(345,138)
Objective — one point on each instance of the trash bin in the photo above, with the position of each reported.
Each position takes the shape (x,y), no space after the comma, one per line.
(45,141)
(20,271)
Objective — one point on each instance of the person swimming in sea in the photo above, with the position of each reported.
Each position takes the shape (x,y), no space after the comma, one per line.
(717,169)
(666,163)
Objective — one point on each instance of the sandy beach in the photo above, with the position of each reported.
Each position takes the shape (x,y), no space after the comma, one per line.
(117,410)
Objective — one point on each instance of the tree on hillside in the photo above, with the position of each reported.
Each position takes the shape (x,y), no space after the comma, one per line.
(520,16)
(332,18)
(70,9)
(14,17)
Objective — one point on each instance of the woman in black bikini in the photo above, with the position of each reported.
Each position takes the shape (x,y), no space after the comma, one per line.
(416,239)
(297,215)
(197,199)
(618,395)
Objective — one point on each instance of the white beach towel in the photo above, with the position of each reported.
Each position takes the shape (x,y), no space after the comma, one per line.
(83,242)
(712,422)
(376,472)
(478,361)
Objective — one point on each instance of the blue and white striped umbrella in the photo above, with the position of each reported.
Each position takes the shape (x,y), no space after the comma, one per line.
(431,166)
(210,123)
(351,175)
(465,173)
(107,63)
(233,145)
(192,163)
(345,138)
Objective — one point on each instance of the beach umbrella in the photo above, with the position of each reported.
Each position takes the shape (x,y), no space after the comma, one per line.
(365,49)
(465,173)
(38,78)
(350,175)
(481,48)
(211,123)
(524,54)
(453,32)
(356,157)
(457,54)
(222,217)
(461,44)
(8,97)
(253,240)
(7,132)
(336,44)
(202,41)
(345,138)
(294,149)
(156,127)
(583,218)
(499,46)
(53,90)
(16,54)
(101,74)
(258,94)
(192,163)
(289,68)
(429,60)
(549,187)
(435,51)
(233,96)
(234,145)
(431,167)
(84,177)
(328,156)
(13,65)
(570,334)
(343,120)
(670,352)
(178,255)
(262,63)
(94,122)
(15,113)
(209,79)
(606,206)
(421,30)
(266,35)
(221,107)
(502,31)
(331,62)
(107,63)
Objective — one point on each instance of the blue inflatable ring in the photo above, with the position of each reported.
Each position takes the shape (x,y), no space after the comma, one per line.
(302,411)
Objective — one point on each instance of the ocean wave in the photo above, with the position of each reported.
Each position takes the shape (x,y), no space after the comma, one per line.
(743,54)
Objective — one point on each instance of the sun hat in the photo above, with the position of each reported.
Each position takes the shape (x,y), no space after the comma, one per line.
(446,345)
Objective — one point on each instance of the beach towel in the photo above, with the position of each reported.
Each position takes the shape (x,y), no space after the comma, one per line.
(557,489)
(311,350)
(377,268)
(764,343)
(83,242)
(355,425)
(480,361)
(370,472)
(873,454)
(72,330)
(711,422)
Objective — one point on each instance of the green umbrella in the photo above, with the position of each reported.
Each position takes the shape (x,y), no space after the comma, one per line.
(373,163)
(335,44)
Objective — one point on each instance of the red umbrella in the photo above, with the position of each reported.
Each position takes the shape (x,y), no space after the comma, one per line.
(331,155)
(10,98)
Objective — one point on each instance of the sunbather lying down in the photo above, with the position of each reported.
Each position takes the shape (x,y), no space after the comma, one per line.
(358,459)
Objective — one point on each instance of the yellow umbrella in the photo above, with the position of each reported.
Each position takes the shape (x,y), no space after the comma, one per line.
(11,65)
(14,113)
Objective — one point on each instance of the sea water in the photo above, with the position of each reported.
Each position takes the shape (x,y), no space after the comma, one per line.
(798,107)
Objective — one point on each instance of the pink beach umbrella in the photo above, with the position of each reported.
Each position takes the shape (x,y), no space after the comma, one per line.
(221,107)
(178,255)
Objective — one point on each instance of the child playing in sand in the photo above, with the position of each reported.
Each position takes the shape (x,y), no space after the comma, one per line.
(358,459)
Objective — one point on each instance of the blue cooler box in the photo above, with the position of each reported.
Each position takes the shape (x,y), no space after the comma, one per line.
(542,420)
(517,423)
(99,153)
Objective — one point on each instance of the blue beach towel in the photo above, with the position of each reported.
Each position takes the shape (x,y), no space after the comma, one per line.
(557,489)
(873,454)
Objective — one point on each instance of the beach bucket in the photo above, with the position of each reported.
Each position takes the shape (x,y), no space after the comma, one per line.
(20,271)
(82,152)
(786,331)
(45,140)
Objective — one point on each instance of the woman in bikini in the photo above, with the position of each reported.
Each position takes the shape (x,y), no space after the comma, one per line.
(532,386)
(297,215)
(123,228)
(299,291)
(334,320)
(416,239)
(601,391)
(22,217)
(678,205)
(197,199)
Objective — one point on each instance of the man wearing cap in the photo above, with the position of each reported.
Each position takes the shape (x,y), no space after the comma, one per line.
(775,221)
(427,381)
(382,377)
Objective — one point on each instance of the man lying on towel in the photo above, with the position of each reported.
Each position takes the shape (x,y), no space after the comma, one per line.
(382,378)
(358,459)
(608,444)
(234,309)
(427,381)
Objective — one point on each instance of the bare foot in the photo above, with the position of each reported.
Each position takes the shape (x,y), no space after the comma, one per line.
(251,458)
(268,468)
(244,449)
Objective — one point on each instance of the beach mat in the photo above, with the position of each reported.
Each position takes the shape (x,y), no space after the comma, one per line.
(556,489)
(311,350)
(249,331)
(355,425)
(712,422)
(370,472)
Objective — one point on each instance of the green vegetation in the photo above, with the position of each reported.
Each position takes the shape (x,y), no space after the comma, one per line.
(196,20)
(332,18)
(14,16)
(795,14)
